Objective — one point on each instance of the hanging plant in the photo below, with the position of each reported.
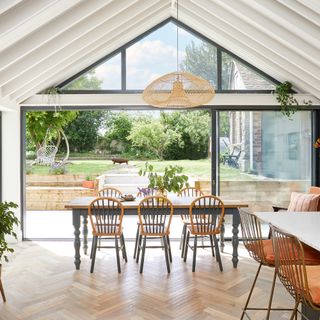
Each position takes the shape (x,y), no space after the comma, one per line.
(53,95)
(289,105)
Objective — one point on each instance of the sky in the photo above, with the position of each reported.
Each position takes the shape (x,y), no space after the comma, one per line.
(148,59)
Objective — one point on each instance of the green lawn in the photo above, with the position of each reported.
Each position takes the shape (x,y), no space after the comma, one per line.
(199,168)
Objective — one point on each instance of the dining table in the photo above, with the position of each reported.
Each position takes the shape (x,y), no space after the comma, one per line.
(303,225)
(79,207)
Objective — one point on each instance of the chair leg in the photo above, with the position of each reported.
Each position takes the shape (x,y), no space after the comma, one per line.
(2,292)
(212,245)
(271,293)
(117,253)
(166,252)
(123,245)
(183,238)
(186,247)
(194,261)
(139,248)
(136,243)
(250,293)
(92,245)
(143,253)
(94,251)
(218,257)
(169,248)
(295,311)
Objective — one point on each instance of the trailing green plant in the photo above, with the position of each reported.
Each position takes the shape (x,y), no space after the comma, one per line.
(289,105)
(58,170)
(53,95)
(172,180)
(7,222)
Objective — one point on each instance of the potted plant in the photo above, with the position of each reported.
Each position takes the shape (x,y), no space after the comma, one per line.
(172,180)
(7,222)
(88,183)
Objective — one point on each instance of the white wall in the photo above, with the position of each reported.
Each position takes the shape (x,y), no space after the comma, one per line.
(11,158)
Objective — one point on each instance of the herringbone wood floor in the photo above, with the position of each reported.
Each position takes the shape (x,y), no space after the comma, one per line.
(41,283)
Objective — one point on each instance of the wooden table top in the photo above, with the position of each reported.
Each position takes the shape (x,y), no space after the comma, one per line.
(178,202)
(303,225)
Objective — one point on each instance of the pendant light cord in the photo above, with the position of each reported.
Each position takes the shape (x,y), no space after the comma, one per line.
(177,2)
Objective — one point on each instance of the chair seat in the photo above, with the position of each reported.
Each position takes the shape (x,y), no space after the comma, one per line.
(202,230)
(311,256)
(108,231)
(313,275)
(158,233)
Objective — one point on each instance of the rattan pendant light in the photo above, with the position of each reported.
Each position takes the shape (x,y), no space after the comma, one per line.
(178,89)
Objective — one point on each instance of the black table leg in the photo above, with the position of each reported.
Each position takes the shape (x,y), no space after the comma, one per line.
(235,238)
(85,233)
(222,236)
(77,242)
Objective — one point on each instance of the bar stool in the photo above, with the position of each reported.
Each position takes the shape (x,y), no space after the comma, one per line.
(302,281)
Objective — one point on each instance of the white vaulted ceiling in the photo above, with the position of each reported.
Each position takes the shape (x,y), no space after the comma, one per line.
(43,42)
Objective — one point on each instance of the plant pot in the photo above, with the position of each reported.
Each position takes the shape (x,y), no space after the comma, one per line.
(1,287)
(88,184)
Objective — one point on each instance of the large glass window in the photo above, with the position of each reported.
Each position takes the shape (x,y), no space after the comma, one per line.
(264,156)
(105,76)
(156,54)
(237,76)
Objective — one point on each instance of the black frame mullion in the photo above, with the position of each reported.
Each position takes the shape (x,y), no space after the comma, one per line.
(315,152)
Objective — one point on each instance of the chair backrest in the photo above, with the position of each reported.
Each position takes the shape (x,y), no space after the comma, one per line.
(290,264)
(252,235)
(206,215)
(190,192)
(46,154)
(110,192)
(155,215)
(106,216)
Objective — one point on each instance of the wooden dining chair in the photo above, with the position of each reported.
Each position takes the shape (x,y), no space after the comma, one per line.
(302,281)
(187,192)
(106,216)
(110,192)
(151,192)
(206,215)
(155,215)
(261,250)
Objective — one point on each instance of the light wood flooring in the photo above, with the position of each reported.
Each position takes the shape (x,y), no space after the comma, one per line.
(41,283)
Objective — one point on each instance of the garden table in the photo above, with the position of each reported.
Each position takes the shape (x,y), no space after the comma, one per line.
(79,207)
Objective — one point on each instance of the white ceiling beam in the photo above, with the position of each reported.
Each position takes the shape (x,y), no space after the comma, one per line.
(121,100)
(31,25)
(303,10)
(5,5)
(289,19)
(81,33)
(88,42)
(43,40)
(22,12)
(76,63)
(314,5)
(245,48)
(243,30)
(240,31)
(243,11)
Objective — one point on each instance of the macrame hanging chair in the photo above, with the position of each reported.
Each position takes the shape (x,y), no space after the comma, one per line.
(46,154)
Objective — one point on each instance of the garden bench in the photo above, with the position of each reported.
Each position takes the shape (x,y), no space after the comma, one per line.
(119,160)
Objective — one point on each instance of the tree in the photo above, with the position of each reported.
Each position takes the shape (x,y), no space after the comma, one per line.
(152,135)
(48,125)
(119,125)
(193,127)
(202,61)
(83,131)
(87,81)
